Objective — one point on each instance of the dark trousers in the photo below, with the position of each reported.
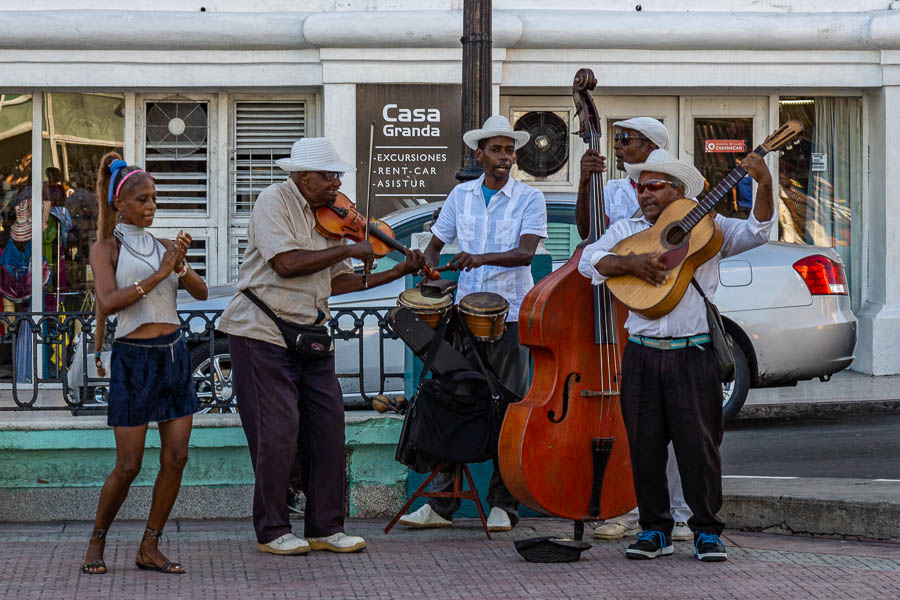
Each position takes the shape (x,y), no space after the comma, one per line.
(674,395)
(284,401)
(510,360)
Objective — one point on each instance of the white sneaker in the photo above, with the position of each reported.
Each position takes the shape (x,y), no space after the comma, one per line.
(286,544)
(498,520)
(338,542)
(613,530)
(424,518)
(682,533)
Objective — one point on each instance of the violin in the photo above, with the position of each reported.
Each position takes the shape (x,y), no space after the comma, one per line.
(563,449)
(341,220)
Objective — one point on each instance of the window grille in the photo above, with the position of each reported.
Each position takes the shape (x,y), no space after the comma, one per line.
(263,132)
(237,244)
(175,151)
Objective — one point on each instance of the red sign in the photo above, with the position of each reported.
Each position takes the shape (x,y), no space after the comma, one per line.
(724,146)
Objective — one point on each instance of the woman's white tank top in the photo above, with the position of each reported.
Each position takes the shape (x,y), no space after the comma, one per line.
(139,257)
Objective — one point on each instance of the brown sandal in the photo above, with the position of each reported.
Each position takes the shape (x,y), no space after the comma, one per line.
(170,567)
(97,567)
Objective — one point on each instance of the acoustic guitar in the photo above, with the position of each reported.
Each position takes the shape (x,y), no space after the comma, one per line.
(687,236)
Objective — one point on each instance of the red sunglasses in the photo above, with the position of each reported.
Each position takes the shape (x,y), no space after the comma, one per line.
(654,185)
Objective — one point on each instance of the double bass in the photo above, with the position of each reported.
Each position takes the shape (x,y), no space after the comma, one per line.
(563,448)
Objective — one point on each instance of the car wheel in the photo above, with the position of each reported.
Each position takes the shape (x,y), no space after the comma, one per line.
(216,395)
(734,393)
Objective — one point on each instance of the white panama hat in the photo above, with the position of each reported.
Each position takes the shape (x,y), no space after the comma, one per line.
(314,154)
(660,161)
(495,126)
(652,129)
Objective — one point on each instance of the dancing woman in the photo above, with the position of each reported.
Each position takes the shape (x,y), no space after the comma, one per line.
(136,277)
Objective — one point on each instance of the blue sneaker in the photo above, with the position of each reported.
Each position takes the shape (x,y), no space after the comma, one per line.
(709,548)
(650,544)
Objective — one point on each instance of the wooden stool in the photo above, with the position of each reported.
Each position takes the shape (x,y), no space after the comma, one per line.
(471,494)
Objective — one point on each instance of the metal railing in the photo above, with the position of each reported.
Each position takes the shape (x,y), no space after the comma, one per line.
(59,349)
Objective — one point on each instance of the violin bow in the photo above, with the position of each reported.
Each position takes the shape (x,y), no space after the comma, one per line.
(368,265)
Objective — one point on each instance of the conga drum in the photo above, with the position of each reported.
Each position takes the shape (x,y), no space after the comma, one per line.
(485,315)
(429,310)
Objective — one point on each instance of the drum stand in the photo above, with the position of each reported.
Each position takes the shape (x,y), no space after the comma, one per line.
(470,494)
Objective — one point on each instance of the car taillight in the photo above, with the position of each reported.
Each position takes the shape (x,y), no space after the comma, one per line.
(822,275)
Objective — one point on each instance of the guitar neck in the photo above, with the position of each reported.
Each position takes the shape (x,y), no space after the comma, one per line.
(717,193)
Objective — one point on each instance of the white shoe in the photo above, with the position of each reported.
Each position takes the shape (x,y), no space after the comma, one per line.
(682,533)
(286,544)
(338,542)
(498,520)
(613,530)
(424,518)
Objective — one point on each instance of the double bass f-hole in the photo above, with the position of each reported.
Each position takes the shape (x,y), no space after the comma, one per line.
(551,414)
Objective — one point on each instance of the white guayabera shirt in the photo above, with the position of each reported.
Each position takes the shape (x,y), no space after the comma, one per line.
(689,316)
(515,210)
(620,199)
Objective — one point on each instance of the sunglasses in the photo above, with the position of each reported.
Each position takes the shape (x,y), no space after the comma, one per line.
(331,176)
(625,139)
(654,185)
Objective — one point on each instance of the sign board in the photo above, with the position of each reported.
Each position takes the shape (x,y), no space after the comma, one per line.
(724,145)
(417,144)
(818,161)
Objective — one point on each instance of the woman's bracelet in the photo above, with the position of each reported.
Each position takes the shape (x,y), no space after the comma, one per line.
(140,290)
(183,270)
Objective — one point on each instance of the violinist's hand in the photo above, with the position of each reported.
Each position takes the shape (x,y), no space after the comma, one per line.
(647,267)
(362,250)
(465,262)
(592,162)
(415,260)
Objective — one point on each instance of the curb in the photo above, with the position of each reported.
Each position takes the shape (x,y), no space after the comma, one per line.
(807,410)
(868,509)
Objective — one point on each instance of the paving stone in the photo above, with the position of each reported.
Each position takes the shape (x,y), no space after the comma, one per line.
(223,563)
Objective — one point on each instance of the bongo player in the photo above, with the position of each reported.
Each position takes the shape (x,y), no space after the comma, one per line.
(498,222)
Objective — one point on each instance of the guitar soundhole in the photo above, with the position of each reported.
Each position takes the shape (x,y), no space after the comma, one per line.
(675,236)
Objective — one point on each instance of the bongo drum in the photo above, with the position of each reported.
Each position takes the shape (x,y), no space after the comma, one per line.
(429,310)
(485,315)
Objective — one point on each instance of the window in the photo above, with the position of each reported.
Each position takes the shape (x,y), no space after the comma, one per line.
(820,179)
(262,133)
(175,152)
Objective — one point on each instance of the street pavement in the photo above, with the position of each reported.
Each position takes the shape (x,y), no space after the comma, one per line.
(42,561)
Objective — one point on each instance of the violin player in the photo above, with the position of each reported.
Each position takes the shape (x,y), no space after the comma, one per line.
(634,140)
(283,396)
(671,380)
(498,222)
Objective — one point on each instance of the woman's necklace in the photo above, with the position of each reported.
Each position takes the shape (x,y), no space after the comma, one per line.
(141,256)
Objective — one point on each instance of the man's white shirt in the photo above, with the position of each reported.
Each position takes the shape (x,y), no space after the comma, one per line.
(689,316)
(620,199)
(515,210)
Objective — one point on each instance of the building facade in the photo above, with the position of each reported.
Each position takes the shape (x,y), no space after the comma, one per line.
(208,94)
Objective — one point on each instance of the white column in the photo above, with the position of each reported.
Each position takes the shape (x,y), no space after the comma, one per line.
(37,188)
(339,116)
(878,349)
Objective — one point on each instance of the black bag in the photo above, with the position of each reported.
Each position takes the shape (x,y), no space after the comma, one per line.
(721,341)
(304,341)
(453,419)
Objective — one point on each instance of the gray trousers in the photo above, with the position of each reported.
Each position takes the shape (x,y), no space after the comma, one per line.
(284,401)
(510,361)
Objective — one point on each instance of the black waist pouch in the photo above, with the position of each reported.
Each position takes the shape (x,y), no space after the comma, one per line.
(303,341)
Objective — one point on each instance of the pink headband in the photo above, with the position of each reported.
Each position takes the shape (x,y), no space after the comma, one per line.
(127,175)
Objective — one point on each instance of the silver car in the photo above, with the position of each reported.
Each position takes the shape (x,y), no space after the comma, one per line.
(774,299)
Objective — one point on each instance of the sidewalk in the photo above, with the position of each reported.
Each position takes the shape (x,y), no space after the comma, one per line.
(848,392)
(42,561)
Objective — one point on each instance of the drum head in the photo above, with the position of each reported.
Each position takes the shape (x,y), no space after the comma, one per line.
(414,299)
(481,303)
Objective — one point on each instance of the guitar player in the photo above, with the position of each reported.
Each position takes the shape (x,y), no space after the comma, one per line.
(671,387)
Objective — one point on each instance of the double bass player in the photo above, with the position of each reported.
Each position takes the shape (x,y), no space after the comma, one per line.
(634,140)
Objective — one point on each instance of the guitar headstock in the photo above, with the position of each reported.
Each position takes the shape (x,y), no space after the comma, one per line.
(783,135)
